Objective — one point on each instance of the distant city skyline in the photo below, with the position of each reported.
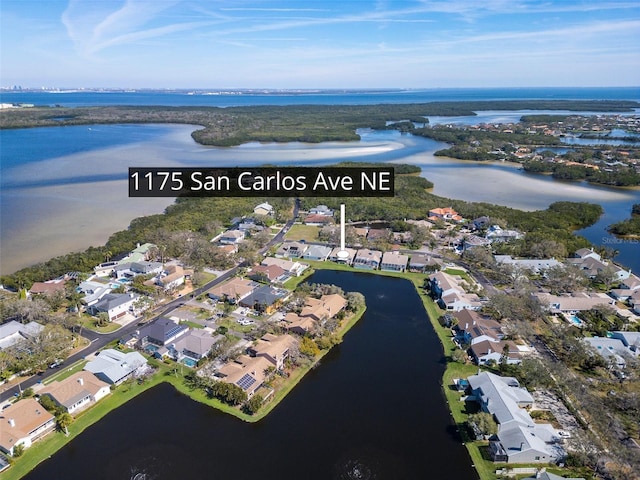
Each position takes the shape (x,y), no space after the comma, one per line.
(196,44)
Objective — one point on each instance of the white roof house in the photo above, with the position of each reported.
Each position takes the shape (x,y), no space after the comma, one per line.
(113,366)
(12,332)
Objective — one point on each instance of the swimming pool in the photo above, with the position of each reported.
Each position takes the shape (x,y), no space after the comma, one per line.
(576,321)
(189,362)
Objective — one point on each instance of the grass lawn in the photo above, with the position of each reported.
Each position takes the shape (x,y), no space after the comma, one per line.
(89,323)
(308,233)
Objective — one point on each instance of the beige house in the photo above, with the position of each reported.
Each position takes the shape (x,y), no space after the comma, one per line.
(394,262)
(246,372)
(77,392)
(323,308)
(274,348)
(24,422)
(233,290)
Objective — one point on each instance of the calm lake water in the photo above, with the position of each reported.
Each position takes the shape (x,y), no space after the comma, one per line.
(373,409)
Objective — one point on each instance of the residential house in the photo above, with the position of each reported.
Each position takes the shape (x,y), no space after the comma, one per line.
(232,290)
(263,209)
(486,351)
(291,267)
(323,308)
(164,331)
(496,234)
(367,259)
(317,220)
(294,323)
(535,265)
(422,263)
(94,291)
(291,249)
(77,392)
(472,327)
(572,304)
(542,474)
(132,269)
(196,344)
(317,252)
(446,214)
(50,287)
(626,289)
(116,305)
(172,277)
(23,423)
(449,291)
(592,264)
(394,262)
(232,237)
(114,366)
(613,350)
(348,260)
(105,269)
(473,241)
(274,348)
(12,332)
(631,340)
(265,299)
(375,234)
(268,273)
(321,210)
(246,372)
(519,438)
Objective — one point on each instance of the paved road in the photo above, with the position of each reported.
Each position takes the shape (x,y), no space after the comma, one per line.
(99,341)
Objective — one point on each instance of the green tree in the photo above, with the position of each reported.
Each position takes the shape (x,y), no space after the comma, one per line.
(64,420)
(252,405)
(485,423)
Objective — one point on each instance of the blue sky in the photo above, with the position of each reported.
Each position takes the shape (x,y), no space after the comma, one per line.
(319,44)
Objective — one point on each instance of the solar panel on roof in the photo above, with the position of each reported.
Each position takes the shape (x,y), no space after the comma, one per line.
(173,331)
(246,381)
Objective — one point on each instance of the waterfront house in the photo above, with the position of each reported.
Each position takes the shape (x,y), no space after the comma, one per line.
(317,252)
(291,249)
(114,366)
(275,348)
(194,345)
(77,392)
(449,292)
(367,259)
(268,273)
(246,372)
(348,260)
(485,351)
(291,267)
(323,308)
(519,438)
(394,262)
(472,327)
(294,323)
(23,423)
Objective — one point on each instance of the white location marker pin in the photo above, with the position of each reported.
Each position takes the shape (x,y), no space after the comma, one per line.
(342,254)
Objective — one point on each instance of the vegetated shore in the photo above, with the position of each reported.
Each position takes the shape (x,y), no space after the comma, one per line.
(304,123)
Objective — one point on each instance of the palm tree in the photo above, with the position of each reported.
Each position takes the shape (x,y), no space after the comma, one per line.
(64,420)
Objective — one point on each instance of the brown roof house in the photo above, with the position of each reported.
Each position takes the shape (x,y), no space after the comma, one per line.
(246,372)
(233,290)
(316,310)
(24,422)
(77,392)
(274,348)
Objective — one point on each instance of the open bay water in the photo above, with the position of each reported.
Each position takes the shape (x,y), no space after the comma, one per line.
(63,189)
(373,409)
